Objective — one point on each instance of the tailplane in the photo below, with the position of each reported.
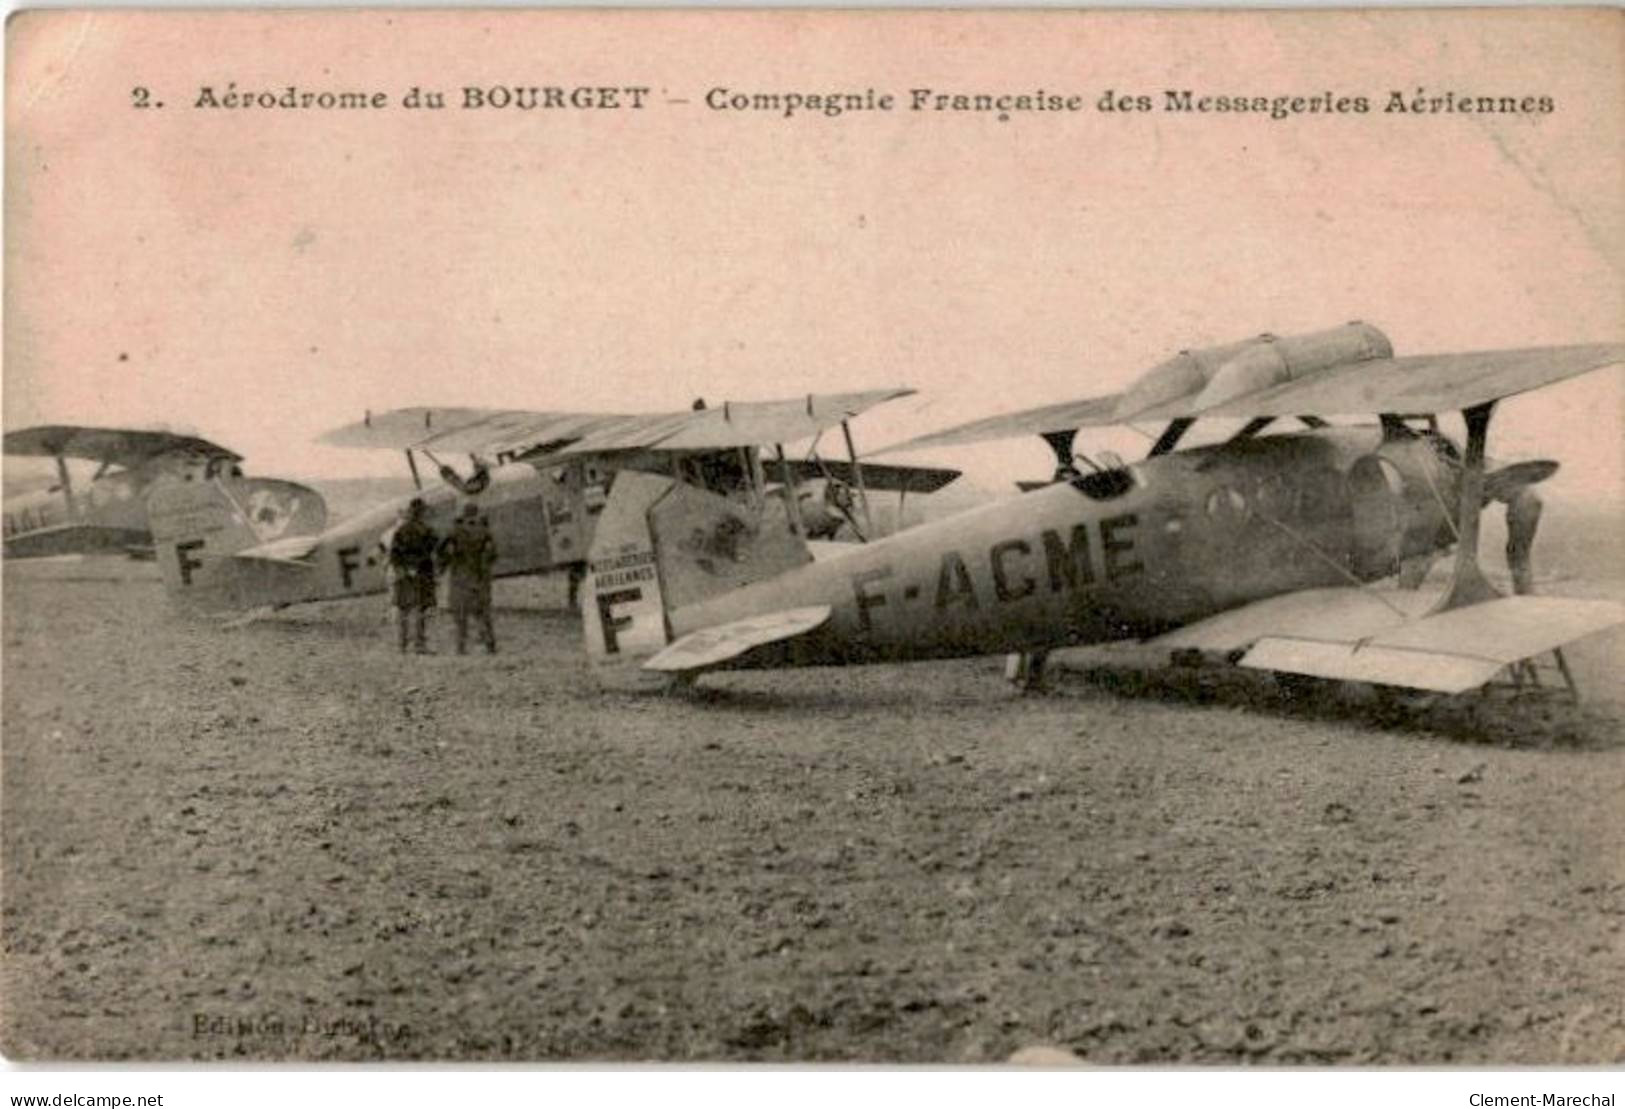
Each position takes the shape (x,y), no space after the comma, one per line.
(659,546)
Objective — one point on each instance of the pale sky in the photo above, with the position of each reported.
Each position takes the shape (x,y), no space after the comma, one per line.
(261,276)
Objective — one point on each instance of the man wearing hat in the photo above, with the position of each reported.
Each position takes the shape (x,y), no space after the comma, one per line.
(467,555)
(411,557)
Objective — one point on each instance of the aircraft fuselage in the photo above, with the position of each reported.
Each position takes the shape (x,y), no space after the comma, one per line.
(107,514)
(1125,554)
(540,519)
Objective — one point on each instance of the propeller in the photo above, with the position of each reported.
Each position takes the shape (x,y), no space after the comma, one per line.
(1503,483)
(1511,486)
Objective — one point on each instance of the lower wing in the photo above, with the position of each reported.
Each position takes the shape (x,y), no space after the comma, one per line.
(66,539)
(1387,638)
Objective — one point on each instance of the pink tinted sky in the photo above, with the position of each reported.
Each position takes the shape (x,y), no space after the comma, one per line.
(263,276)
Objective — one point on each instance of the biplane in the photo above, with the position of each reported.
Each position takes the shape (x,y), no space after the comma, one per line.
(541,479)
(1277,550)
(110,514)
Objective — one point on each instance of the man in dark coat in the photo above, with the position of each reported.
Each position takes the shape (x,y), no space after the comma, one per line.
(468,555)
(411,558)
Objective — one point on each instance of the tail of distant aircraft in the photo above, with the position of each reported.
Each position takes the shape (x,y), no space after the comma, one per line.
(660,546)
(221,542)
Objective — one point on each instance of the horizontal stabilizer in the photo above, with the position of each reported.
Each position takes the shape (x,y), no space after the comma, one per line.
(294,550)
(1450,652)
(714,646)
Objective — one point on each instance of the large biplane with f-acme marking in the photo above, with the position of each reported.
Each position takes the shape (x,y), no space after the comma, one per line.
(1269,549)
(110,513)
(541,479)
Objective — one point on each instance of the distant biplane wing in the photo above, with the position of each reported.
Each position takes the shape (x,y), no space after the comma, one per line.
(495,432)
(1368,635)
(127,447)
(878,477)
(731,424)
(491,431)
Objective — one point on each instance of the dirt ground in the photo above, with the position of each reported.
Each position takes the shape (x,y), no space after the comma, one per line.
(284,840)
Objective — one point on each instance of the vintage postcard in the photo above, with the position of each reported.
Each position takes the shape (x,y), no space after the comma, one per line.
(1081,537)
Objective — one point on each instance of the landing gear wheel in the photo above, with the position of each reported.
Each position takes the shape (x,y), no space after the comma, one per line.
(1297,689)
(1026,670)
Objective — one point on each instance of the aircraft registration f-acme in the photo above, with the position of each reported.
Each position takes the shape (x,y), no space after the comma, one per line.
(548,477)
(111,513)
(1265,548)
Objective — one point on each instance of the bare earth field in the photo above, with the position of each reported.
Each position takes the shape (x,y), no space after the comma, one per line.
(286,841)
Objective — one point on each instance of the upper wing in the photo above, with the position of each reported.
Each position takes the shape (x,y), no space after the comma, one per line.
(127,447)
(1094,412)
(1345,371)
(1383,637)
(467,430)
(1425,383)
(497,431)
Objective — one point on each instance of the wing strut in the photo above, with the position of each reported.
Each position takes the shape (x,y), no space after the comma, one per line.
(792,503)
(1171,435)
(1468,585)
(857,477)
(67,486)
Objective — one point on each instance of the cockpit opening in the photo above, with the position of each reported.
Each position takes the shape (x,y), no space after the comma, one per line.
(1108,483)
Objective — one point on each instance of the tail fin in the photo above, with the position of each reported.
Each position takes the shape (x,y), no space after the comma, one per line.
(199,527)
(660,546)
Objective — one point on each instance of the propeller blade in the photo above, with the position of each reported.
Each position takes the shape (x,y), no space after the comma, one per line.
(1501,484)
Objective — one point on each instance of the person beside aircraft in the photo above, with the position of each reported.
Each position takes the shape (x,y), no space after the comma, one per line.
(467,556)
(545,486)
(411,557)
